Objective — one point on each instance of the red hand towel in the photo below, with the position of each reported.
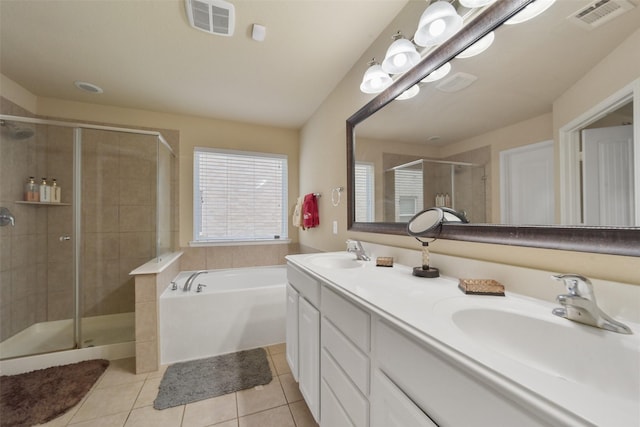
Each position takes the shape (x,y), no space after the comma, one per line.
(310,217)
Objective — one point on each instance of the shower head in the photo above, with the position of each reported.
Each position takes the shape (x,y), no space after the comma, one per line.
(16,130)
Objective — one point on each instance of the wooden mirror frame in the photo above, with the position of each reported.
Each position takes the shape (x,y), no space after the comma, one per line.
(605,240)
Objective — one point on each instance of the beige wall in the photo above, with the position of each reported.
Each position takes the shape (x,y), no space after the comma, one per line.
(324,137)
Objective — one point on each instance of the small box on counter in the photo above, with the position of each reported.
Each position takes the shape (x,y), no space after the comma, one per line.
(384,261)
(481,287)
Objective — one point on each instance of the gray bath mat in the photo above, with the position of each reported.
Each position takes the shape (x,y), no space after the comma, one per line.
(187,382)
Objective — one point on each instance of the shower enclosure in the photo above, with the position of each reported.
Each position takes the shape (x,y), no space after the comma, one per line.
(413,186)
(64,266)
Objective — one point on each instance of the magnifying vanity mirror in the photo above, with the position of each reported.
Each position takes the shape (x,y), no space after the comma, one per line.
(535,139)
(429,222)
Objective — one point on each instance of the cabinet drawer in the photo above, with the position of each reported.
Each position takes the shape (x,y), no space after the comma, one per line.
(446,391)
(351,320)
(347,355)
(308,287)
(390,407)
(351,400)
(331,413)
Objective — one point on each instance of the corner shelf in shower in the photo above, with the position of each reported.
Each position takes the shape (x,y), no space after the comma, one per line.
(22,202)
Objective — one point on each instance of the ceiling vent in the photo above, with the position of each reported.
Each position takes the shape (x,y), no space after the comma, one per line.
(599,12)
(212,16)
(456,82)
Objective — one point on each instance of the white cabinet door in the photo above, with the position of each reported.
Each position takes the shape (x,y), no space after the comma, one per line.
(309,355)
(390,407)
(292,330)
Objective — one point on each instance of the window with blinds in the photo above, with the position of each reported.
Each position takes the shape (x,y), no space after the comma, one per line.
(239,196)
(408,193)
(364,185)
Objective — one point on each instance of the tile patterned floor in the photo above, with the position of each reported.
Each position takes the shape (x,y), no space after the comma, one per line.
(123,399)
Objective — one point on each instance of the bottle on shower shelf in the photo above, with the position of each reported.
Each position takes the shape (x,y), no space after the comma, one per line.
(447,200)
(31,191)
(56,191)
(45,191)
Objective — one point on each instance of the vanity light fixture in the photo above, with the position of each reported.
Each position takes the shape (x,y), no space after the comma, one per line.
(478,47)
(409,93)
(401,55)
(530,11)
(437,74)
(375,80)
(472,4)
(438,22)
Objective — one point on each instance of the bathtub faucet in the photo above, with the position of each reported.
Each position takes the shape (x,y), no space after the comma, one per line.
(189,282)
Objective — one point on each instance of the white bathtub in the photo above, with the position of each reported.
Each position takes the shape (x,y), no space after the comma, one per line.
(238,309)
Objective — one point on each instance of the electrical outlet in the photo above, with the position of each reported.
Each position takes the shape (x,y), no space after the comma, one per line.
(335,227)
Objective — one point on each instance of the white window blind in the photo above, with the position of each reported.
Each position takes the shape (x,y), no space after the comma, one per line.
(364,183)
(239,196)
(409,193)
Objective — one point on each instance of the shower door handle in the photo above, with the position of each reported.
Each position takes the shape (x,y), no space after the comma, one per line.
(64,238)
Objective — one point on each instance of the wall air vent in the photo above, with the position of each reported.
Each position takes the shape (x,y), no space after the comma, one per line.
(212,16)
(599,12)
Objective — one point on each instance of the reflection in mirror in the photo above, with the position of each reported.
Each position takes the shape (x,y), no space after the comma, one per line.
(486,134)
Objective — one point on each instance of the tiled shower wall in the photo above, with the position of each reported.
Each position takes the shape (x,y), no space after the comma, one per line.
(118,217)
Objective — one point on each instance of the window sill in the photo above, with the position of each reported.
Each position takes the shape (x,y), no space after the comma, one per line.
(239,242)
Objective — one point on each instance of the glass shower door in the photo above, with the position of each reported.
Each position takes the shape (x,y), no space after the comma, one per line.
(37,301)
(118,229)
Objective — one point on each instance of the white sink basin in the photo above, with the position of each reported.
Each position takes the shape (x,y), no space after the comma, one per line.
(527,332)
(338,261)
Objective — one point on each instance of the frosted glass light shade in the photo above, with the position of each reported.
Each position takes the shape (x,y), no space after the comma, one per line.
(409,93)
(478,47)
(472,4)
(530,11)
(375,80)
(437,23)
(401,56)
(438,73)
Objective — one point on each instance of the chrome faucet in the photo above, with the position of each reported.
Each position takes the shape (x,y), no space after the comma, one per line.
(190,280)
(6,217)
(355,246)
(579,305)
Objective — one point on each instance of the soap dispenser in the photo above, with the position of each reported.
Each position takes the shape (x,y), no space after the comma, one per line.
(45,191)
(31,191)
(56,191)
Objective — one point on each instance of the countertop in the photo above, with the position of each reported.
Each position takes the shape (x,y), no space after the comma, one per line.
(422,307)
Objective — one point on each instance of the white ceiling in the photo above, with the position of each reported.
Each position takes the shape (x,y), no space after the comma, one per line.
(144,54)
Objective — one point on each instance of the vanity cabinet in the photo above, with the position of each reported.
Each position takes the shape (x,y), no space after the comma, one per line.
(345,363)
(411,374)
(303,335)
(292,330)
(309,355)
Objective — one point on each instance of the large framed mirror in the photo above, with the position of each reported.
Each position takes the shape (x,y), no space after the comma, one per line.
(506,137)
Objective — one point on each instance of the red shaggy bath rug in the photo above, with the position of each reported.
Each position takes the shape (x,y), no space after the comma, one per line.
(40,396)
